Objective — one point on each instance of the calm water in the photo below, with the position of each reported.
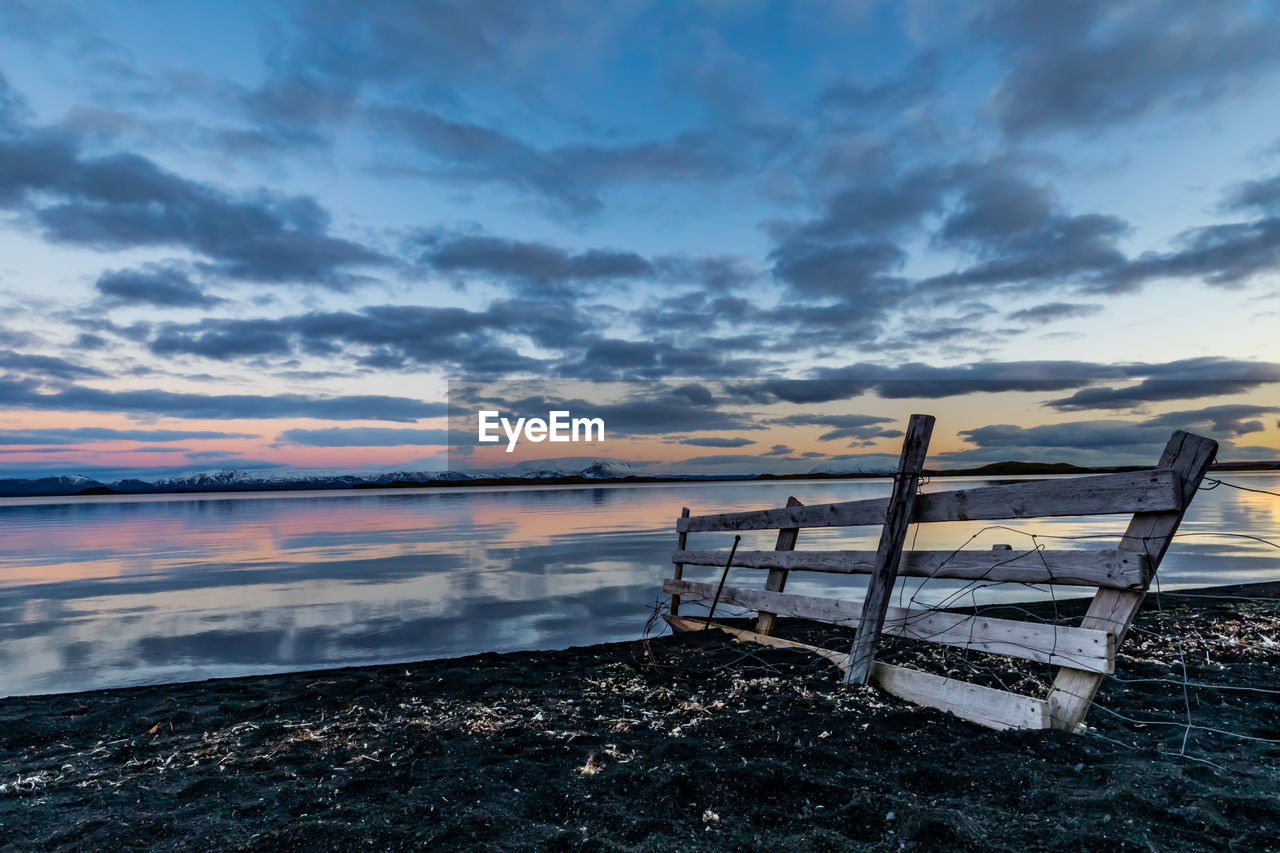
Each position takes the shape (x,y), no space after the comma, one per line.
(99,592)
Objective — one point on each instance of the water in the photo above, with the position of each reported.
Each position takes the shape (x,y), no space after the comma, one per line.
(112,591)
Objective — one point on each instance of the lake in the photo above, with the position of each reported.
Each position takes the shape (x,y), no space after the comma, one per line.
(112,591)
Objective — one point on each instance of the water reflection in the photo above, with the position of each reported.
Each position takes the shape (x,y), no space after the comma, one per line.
(109,591)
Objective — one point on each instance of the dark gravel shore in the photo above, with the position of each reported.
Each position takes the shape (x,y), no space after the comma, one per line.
(684,743)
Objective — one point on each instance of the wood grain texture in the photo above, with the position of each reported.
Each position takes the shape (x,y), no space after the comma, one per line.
(681,540)
(777,579)
(679,623)
(892,539)
(1058,645)
(1187,457)
(995,709)
(1107,568)
(1101,494)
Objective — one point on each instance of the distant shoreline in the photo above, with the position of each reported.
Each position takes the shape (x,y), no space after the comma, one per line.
(995,469)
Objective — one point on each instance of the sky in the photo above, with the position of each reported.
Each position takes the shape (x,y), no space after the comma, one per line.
(268,235)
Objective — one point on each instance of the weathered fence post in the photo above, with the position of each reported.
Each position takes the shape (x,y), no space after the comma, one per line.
(892,536)
(777,579)
(681,541)
(1112,610)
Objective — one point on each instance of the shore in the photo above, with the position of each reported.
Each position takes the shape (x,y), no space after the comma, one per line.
(680,743)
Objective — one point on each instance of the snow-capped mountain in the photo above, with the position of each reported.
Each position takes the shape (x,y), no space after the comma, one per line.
(272,479)
(595,468)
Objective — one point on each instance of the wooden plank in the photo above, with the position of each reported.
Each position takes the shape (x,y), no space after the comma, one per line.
(777,579)
(996,709)
(679,623)
(1101,494)
(1187,457)
(682,540)
(1057,645)
(1105,568)
(986,706)
(892,539)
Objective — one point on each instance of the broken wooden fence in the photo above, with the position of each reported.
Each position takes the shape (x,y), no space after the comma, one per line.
(1157,499)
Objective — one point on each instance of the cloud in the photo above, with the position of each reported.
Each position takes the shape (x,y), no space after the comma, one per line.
(536,262)
(1107,442)
(1021,234)
(156,285)
(1050,312)
(1226,420)
(13,108)
(389,336)
(1226,255)
(713,441)
(847,100)
(1087,65)
(861,427)
(780,450)
(45,366)
(536,269)
(126,201)
(569,178)
(20,394)
(1185,379)
(80,435)
(363,437)
(1262,194)
(1072,434)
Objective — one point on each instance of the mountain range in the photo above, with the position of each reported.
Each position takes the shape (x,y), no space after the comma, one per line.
(571,470)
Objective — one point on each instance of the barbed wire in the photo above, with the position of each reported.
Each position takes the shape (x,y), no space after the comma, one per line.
(955,655)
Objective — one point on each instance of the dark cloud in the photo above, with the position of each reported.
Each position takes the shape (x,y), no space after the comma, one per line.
(536,269)
(125,201)
(13,108)
(1226,255)
(929,382)
(80,435)
(1262,194)
(494,256)
(860,427)
(88,341)
(20,394)
(156,285)
(851,101)
(223,339)
(1086,65)
(713,441)
(1105,442)
(568,178)
(387,336)
(363,437)
(45,366)
(1053,311)
(1229,420)
(1074,434)
(1185,379)
(1020,234)
(779,450)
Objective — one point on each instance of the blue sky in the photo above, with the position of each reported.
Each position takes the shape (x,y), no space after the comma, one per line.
(238,224)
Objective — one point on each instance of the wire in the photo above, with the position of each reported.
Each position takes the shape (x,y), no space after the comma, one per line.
(1217,483)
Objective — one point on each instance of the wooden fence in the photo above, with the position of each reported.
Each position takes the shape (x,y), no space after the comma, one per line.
(1156,498)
